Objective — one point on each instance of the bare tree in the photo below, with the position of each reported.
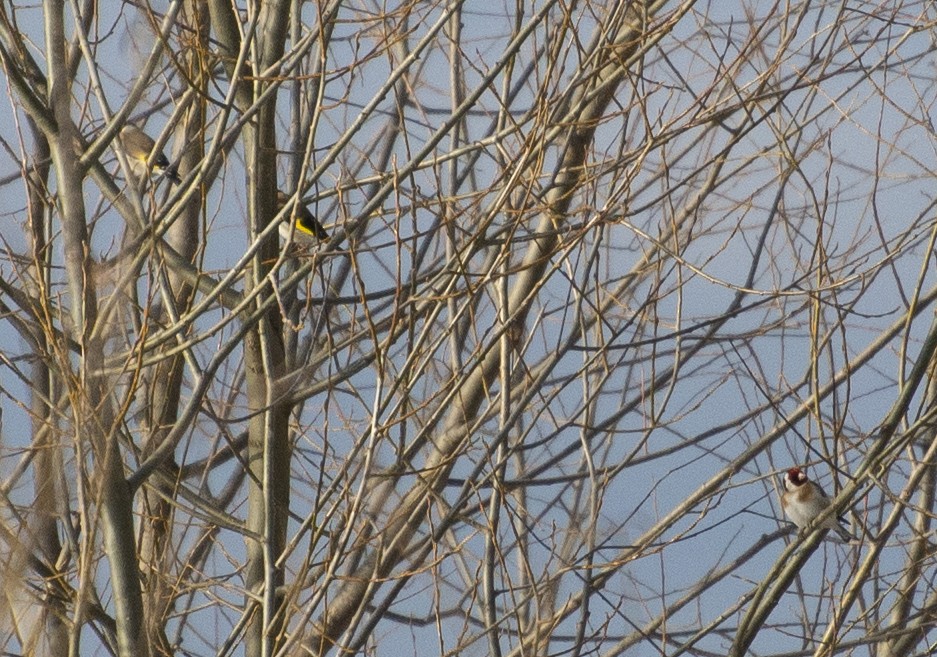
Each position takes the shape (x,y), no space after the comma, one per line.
(595,275)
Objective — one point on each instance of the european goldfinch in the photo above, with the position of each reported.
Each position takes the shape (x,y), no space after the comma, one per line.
(803,500)
(137,147)
(309,232)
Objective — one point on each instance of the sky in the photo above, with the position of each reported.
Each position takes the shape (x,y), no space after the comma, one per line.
(855,150)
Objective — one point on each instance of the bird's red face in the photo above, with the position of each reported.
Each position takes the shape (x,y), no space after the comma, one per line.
(796,477)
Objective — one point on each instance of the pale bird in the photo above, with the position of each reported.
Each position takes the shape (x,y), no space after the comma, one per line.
(137,147)
(803,500)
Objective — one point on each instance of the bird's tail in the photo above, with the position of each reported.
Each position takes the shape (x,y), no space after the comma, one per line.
(171,173)
(846,535)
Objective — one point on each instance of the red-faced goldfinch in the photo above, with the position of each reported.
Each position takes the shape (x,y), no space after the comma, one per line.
(308,232)
(137,147)
(804,500)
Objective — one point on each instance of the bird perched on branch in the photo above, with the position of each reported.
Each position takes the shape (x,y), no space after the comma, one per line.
(803,501)
(137,147)
(308,231)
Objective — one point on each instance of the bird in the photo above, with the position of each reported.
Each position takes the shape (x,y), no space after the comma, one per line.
(137,146)
(308,232)
(803,501)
